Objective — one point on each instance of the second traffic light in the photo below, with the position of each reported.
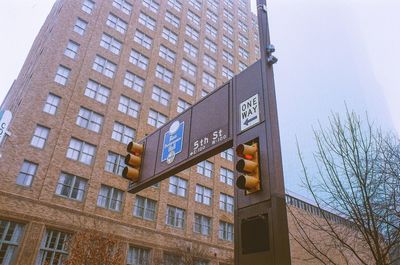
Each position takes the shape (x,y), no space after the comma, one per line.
(133,161)
(249,166)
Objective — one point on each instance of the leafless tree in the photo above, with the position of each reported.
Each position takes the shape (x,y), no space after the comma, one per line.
(357,177)
(185,254)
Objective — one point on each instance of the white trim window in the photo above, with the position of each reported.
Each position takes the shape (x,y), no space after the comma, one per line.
(10,236)
(209,80)
(244,53)
(178,186)
(226,72)
(196,4)
(167,54)
(242,26)
(175,4)
(116,23)
(228,15)
(156,119)
(164,74)
(110,43)
(160,95)
(210,30)
(213,4)
(138,256)
(202,224)
(134,81)
(175,217)
(195,19)
(145,208)
(88,6)
(227,154)
(110,198)
(62,75)
(225,231)
(210,45)
(209,62)
(227,57)
(227,41)
(80,26)
(115,163)
(72,49)
(204,93)
(188,67)
(123,133)
(226,202)
(244,40)
(97,91)
(123,5)
(147,21)
(53,249)
(138,59)
(205,168)
(228,28)
(169,35)
(190,49)
(182,105)
(226,176)
(143,39)
(242,66)
(71,186)
(27,173)
(51,104)
(229,3)
(81,151)
(152,5)
(171,18)
(212,16)
(89,119)
(191,32)
(104,66)
(40,136)
(129,106)
(187,87)
(203,195)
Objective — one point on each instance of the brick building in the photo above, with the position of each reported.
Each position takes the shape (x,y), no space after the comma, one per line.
(99,74)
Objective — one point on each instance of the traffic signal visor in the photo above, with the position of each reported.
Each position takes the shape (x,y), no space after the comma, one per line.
(248,164)
(133,161)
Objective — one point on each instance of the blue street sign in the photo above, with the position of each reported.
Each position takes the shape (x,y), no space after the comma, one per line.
(173,142)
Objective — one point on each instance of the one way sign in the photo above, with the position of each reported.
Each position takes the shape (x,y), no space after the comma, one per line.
(249,113)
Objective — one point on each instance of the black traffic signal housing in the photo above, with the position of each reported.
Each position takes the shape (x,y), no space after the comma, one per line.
(133,161)
(249,166)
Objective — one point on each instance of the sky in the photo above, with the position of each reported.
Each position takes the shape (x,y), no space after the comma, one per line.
(331,53)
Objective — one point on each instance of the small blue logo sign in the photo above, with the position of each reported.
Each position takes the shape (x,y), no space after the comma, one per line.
(173,142)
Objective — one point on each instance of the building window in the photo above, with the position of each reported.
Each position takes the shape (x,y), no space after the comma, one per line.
(88,6)
(243,53)
(138,256)
(147,21)
(225,231)
(209,80)
(169,35)
(191,32)
(71,186)
(72,49)
(145,208)
(26,173)
(213,4)
(133,81)
(167,54)
(171,18)
(205,168)
(182,105)
(129,106)
(209,62)
(53,249)
(115,163)
(226,202)
(40,136)
(201,262)
(212,16)
(227,57)
(172,259)
(190,49)
(152,5)
(227,72)
(164,74)
(210,30)
(143,39)
(186,87)
(175,217)
(97,91)
(123,133)
(138,59)
(80,26)
(196,4)
(110,198)
(202,224)
(210,45)
(160,95)
(110,43)
(10,235)
(156,119)
(227,154)
(228,15)
(229,3)
(104,66)
(195,19)
(242,26)
(189,68)
(228,28)
(204,93)
(62,75)
(89,119)
(81,151)
(227,41)
(243,40)
(51,104)
(178,186)
(116,23)
(226,176)
(242,66)
(203,195)
(175,4)
(123,5)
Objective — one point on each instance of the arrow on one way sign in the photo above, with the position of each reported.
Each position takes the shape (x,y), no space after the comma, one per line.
(249,112)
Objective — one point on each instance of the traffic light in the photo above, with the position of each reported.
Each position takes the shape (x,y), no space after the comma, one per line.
(248,164)
(133,161)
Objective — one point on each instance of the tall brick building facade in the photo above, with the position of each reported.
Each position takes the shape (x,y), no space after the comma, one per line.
(99,74)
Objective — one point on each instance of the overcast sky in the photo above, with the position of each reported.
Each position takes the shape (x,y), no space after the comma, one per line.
(330,52)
